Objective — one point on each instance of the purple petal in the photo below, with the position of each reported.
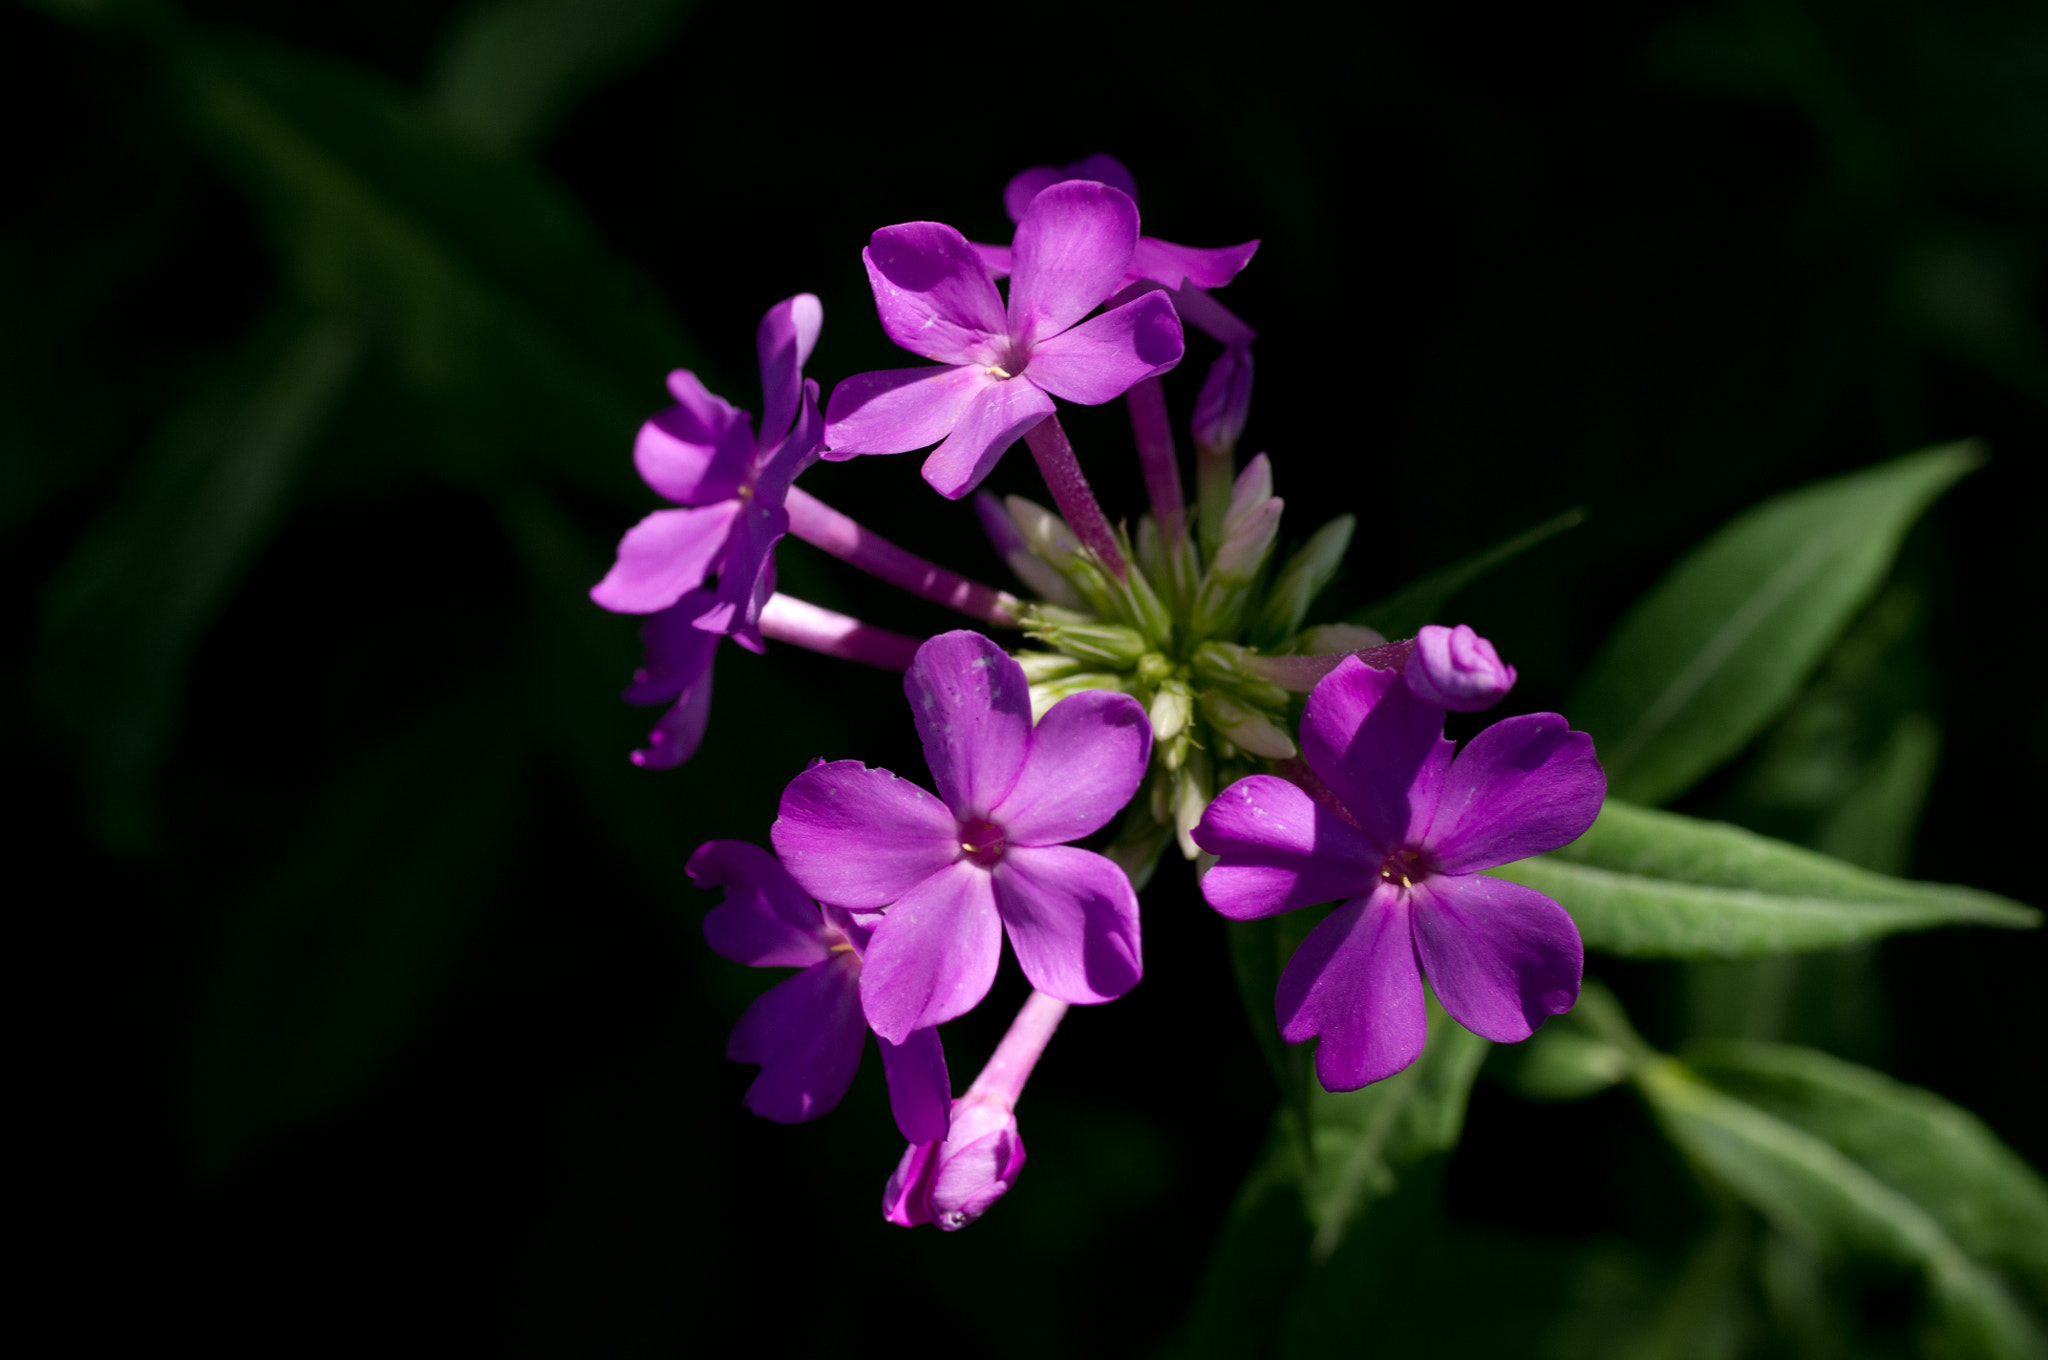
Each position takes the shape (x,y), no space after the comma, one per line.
(1087,757)
(1000,414)
(1072,917)
(1225,401)
(1502,957)
(678,732)
(780,467)
(786,337)
(1070,251)
(676,653)
(1211,317)
(806,1034)
(972,706)
(686,451)
(1026,185)
(1456,669)
(1278,849)
(1170,264)
(934,955)
(1379,748)
(662,556)
(995,259)
(747,578)
(899,409)
(903,1201)
(766,920)
(1354,981)
(933,295)
(861,838)
(1522,787)
(1103,357)
(920,1091)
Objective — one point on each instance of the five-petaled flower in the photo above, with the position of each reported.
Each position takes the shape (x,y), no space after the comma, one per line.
(806,1032)
(1000,368)
(1399,842)
(702,454)
(951,874)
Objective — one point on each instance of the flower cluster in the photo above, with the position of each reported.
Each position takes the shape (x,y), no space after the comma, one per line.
(1164,665)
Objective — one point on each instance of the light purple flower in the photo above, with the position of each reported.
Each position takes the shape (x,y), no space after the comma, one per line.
(1000,368)
(806,1032)
(1225,401)
(677,672)
(702,454)
(989,854)
(1400,843)
(1457,669)
(953,1183)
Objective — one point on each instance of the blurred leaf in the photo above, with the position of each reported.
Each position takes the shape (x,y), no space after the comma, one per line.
(1936,1154)
(1402,613)
(124,612)
(512,67)
(1649,884)
(1722,644)
(318,979)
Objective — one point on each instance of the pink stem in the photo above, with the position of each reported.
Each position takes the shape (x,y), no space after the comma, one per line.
(1004,1077)
(1301,673)
(1062,473)
(1153,433)
(818,524)
(787,619)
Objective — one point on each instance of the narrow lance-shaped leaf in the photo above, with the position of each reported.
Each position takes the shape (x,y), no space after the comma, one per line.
(1722,644)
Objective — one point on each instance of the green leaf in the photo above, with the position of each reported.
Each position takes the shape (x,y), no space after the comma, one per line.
(1721,645)
(1823,1200)
(125,611)
(1934,1153)
(1649,884)
(1407,609)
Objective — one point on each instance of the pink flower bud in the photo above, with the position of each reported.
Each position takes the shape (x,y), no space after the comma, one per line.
(1457,669)
(953,1183)
(1225,400)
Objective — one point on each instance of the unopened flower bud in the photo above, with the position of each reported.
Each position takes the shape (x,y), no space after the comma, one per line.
(1225,400)
(1106,644)
(1193,786)
(1040,667)
(1247,539)
(951,1184)
(1017,555)
(1457,669)
(1302,579)
(1247,727)
(1172,708)
(1044,696)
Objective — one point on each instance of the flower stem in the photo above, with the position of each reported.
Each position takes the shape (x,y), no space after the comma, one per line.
(1062,473)
(818,524)
(1010,1067)
(787,619)
(1153,433)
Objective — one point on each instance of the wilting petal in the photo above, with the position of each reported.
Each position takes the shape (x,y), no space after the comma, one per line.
(1103,357)
(678,450)
(1522,787)
(972,706)
(1354,982)
(920,1091)
(860,838)
(933,295)
(1170,264)
(678,732)
(676,653)
(1087,758)
(903,1200)
(934,955)
(1000,414)
(747,578)
(899,409)
(1279,849)
(1502,957)
(662,556)
(1069,253)
(786,337)
(1379,748)
(766,920)
(1072,917)
(1026,185)
(806,1033)
(782,463)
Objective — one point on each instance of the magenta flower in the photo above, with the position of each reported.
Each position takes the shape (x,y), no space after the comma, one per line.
(702,454)
(806,1032)
(953,1183)
(1457,669)
(1400,842)
(677,672)
(989,854)
(1000,368)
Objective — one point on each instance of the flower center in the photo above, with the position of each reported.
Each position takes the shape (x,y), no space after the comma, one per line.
(1405,867)
(982,842)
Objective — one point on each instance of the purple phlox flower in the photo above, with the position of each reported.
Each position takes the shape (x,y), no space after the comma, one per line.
(677,672)
(987,856)
(1000,367)
(1186,272)
(1399,843)
(1457,669)
(953,1183)
(702,453)
(806,1032)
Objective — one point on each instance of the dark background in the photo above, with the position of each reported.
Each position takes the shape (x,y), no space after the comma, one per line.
(1657,260)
